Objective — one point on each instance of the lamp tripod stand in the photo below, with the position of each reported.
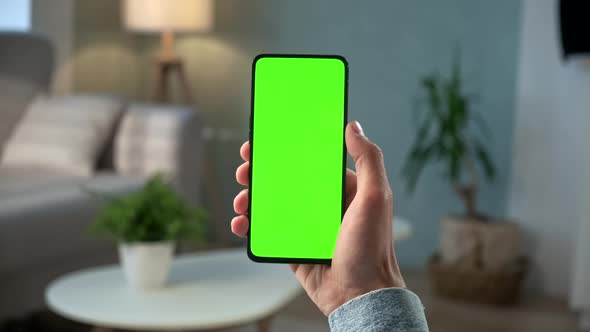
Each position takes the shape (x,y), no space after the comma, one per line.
(168,64)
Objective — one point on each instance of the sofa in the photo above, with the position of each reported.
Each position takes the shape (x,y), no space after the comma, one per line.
(54,149)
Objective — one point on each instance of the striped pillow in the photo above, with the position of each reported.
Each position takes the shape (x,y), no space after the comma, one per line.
(65,134)
(150,139)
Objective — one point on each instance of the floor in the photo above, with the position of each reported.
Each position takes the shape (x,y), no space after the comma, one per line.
(533,314)
(538,315)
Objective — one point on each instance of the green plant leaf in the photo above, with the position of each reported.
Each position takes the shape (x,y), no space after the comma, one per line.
(155,213)
(456,162)
(443,128)
(415,163)
(431,85)
(485,161)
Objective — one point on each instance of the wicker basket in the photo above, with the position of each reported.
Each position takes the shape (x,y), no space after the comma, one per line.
(476,285)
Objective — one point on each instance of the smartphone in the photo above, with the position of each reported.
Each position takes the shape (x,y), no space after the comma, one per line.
(297,157)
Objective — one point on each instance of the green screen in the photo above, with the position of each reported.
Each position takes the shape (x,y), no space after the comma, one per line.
(297,164)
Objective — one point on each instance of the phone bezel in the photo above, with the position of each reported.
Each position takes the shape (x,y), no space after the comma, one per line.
(262,259)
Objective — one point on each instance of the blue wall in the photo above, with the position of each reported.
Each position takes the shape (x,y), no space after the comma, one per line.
(390,45)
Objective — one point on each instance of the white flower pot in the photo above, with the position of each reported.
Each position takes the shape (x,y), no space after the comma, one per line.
(146,264)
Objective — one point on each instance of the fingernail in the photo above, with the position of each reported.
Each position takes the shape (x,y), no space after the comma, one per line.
(356,126)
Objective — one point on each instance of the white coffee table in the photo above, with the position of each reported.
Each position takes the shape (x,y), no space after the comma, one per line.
(205,291)
(210,290)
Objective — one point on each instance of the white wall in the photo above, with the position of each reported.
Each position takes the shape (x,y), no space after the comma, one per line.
(552,116)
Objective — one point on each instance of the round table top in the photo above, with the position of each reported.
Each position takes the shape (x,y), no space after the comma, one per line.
(209,290)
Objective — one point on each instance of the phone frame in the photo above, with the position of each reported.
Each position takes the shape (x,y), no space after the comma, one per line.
(261,259)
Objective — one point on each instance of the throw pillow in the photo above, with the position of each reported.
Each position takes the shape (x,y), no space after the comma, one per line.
(15,96)
(151,138)
(63,133)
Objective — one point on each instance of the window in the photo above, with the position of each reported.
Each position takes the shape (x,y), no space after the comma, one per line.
(15,15)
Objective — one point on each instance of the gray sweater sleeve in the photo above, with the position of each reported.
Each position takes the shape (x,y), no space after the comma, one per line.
(383,310)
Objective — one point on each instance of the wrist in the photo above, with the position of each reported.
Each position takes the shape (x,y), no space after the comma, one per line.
(351,294)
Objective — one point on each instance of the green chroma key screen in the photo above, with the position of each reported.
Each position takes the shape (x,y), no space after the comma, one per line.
(297,157)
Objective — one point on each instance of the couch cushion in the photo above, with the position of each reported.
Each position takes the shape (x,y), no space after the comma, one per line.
(24,189)
(149,139)
(63,133)
(46,218)
(15,97)
(26,63)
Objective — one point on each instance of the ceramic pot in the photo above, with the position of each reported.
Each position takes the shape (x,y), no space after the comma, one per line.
(471,243)
(146,264)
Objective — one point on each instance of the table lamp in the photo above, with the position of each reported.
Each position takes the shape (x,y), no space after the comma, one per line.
(168,17)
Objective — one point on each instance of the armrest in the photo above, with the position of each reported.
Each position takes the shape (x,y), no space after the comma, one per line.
(162,139)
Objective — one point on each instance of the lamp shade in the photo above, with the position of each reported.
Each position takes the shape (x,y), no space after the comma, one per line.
(168,15)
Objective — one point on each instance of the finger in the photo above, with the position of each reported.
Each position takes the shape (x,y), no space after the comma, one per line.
(368,160)
(243,174)
(245,151)
(241,202)
(350,189)
(240,225)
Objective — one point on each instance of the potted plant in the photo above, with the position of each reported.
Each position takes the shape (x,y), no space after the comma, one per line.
(146,225)
(472,244)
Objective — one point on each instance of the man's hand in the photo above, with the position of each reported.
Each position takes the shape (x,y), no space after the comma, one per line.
(364,258)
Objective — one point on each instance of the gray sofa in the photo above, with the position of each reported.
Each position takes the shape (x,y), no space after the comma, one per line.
(45,215)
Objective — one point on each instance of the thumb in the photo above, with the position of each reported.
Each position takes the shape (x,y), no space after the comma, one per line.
(368,160)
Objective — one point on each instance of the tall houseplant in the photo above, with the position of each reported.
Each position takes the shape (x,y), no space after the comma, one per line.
(478,258)
(450,132)
(146,224)
(445,135)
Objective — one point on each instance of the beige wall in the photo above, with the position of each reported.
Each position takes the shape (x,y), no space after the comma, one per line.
(108,59)
(105,58)
(54,19)
(95,54)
